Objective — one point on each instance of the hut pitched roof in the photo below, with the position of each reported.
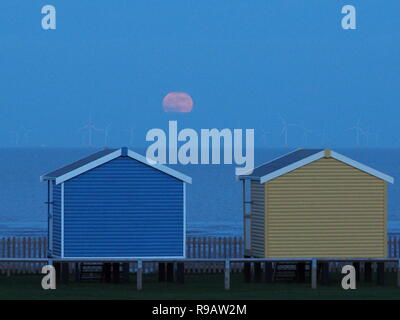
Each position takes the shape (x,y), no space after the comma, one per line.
(301,157)
(85,164)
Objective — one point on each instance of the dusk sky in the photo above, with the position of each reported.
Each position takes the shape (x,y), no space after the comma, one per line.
(244,63)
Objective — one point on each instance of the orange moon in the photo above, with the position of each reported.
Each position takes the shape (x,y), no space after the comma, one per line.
(177,102)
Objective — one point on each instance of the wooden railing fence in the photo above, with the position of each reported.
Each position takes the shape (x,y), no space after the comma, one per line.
(196,247)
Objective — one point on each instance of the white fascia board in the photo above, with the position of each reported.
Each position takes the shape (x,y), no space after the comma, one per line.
(160,167)
(362,167)
(88,166)
(292,167)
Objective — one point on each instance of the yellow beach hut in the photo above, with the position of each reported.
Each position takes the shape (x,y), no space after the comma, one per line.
(315,203)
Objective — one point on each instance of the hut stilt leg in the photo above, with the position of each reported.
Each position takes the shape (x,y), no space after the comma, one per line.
(125,272)
(170,272)
(247,271)
(116,272)
(57,266)
(77,272)
(161,272)
(325,273)
(106,277)
(301,272)
(367,272)
(268,272)
(381,273)
(180,272)
(314,274)
(64,272)
(356,266)
(257,271)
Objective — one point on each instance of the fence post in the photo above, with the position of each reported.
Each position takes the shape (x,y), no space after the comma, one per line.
(227,275)
(314,273)
(139,275)
(398,273)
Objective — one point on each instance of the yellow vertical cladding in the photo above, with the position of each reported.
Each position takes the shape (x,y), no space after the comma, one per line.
(257,219)
(325,209)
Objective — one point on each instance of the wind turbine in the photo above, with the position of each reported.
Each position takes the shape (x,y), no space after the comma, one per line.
(21,135)
(131,136)
(264,136)
(358,132)
(306,133)
(285,129)
(106,131)
(90,128)
(16,137)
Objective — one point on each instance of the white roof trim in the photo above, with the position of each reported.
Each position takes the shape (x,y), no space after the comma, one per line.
(320,155)
(160,167)
(362,167)
(114,155)
(292,167)
(88,166)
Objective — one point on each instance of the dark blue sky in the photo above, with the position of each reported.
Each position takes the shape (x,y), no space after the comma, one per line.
(243,62)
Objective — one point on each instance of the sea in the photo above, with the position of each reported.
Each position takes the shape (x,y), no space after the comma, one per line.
(214,199)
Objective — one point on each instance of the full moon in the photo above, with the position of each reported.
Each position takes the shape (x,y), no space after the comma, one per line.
(177,102)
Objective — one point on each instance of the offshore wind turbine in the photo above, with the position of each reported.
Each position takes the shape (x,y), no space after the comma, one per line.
(306,133)
(285,129)
(131,136)
(21,135)
(358,132)
(106,132)
(90,128)
(264,136)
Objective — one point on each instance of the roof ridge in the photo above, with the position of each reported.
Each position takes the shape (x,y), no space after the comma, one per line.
(284,155)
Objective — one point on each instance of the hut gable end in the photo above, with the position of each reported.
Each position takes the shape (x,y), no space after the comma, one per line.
(326,208)
(123,208)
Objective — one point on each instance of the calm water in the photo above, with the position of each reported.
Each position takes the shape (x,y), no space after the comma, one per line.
(213,200)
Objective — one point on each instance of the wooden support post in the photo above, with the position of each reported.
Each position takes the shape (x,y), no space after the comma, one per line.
(106,276)
(301,272)
(314,273)
(257,271)
(170,272)
(325,273)
(57,266)
(367,272)
(180,272)
(125,272)
(139,275)
(268,272)
(65,272)
(116,272)
(398,273)
(356,266)
(227,274)
(161,272)
(381,273)
(247,271)
(77,272)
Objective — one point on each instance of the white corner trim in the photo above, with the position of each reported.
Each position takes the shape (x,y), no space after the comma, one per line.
(62,220)
(184,220)
(88,166)
(160,167)
(362,167)
(292,167)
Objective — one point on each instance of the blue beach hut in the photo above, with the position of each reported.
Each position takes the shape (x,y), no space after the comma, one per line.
(115,204)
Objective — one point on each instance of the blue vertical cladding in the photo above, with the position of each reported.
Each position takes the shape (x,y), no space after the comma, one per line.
(123,208)
(56,220)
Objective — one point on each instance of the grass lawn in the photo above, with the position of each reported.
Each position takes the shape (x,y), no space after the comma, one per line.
(195,287)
